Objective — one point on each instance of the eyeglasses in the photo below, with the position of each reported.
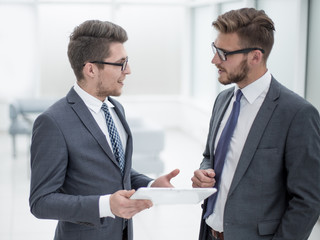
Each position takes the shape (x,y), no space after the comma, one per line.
(223,54)
(123,65)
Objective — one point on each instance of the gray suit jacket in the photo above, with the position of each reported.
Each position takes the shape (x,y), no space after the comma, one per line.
(275,191)
(72,165)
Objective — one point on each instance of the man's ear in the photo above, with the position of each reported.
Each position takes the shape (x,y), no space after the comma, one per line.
(89,70)
(256,57)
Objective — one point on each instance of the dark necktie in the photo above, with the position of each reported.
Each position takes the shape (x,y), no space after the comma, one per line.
(114,138)
(222,149)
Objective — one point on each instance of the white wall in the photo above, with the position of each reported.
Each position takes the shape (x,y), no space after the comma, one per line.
(17,48)
(313,83)
(287,60)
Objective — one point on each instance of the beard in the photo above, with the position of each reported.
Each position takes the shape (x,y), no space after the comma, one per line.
(104,90)
(238,74)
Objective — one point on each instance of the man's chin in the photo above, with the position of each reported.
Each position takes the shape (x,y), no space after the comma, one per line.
(224,81)
(116,94)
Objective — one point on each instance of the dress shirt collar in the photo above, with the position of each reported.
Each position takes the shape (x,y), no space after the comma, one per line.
(92,103)
(255,89)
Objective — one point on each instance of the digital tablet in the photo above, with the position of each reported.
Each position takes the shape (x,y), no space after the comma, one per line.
(173,195)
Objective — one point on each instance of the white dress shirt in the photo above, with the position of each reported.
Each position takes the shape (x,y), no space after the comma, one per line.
(94,105)
(250,103)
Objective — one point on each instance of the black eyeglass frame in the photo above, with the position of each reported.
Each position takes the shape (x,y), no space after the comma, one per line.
(223,54)
(122,65)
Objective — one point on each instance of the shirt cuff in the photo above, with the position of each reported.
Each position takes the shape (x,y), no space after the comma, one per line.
(150,183)
(104,207)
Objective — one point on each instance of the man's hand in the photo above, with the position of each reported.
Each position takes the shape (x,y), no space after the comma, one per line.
(203,178)
(122,206)
(164,181)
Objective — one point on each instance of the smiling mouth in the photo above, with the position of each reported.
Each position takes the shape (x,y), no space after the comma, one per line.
(221,70)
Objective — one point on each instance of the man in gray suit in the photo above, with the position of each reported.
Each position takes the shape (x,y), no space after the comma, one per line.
(81,169)
(269,185)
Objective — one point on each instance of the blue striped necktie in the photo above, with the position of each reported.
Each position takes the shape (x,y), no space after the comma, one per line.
(222,149)
(114,138)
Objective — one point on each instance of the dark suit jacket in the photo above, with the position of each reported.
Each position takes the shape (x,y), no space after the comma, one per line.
(275,191)
(72,165)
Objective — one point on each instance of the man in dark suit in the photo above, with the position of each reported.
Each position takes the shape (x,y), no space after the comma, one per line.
(81,146)
(269,184)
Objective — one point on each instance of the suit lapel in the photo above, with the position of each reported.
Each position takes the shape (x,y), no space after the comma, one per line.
(88,121)
(256,132)
(217,116)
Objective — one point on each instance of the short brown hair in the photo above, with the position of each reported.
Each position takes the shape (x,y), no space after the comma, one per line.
(90,41)
(254,28)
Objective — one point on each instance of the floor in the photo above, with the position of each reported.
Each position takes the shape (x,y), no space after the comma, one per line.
(160,222)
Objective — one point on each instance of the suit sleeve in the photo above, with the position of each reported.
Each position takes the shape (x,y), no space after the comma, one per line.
(206,162)
(139,180)
(302,164)
(49,163)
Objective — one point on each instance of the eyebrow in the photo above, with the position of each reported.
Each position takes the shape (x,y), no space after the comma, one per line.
(122,59)
(224,49)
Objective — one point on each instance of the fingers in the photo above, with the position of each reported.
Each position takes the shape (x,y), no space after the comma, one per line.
(209,173)
(122,206)
(172,174)
(127,193)
(203,178)
(164,181)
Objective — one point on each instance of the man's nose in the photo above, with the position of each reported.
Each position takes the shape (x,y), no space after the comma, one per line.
(216,59)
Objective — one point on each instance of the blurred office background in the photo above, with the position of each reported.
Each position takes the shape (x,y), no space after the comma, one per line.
(169,94)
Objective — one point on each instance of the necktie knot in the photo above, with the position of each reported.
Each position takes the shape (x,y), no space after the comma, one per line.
(105,108)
